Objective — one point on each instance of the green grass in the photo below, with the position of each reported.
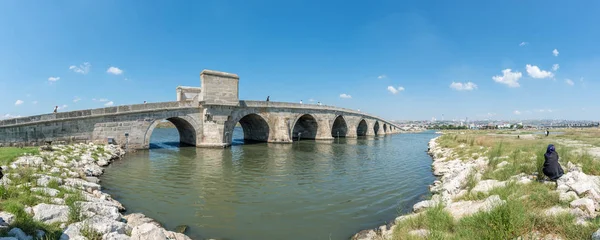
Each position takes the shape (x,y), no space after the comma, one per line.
(9,154)
(74,209)
(90,233)
(26,222)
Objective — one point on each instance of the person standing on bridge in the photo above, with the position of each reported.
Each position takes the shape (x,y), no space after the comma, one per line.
(268,98)
(55,109)
(300,101)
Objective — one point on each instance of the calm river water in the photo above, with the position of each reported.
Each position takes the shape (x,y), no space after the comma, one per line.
(304,190)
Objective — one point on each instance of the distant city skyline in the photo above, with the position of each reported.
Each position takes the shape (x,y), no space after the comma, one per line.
(397,60)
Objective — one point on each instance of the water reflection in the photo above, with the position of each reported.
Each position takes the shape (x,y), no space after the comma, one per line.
(304,190)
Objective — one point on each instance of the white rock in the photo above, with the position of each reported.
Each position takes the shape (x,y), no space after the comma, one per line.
(89,209)
(147,231)
(104,225)
(484,186)
(466,208)
(7,217)
(115,236)
(55,170)
(57,201)
(29,161)
(502,164)
(73,231)
(49,213)
(82,184)
(43,180)
(93,169)
(596,235)
(585,204)
(422,205)
(137,219)
(567,196)
(46,191)
(19,234)
(181,236)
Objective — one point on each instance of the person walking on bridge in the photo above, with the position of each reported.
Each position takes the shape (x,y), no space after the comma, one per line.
(55,109)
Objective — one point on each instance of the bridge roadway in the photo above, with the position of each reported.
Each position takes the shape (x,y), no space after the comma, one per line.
(206,120)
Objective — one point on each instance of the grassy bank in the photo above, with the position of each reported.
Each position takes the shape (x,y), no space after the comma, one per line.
(524,213)
(8,154)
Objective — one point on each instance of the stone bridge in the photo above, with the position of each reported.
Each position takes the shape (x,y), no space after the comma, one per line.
(204,117)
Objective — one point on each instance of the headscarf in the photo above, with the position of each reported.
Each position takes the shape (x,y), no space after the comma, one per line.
(550,150)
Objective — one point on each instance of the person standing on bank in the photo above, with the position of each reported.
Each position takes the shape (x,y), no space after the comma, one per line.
(552,168)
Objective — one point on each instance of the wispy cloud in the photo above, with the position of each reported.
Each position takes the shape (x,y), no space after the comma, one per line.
(382,76)
(53,79)
(343,95)
(517,112)
(569,82)
(555,52)
(114,70)
(536,72)
(108,104)
(523,44)
(394,90)
(510,78)
(468,86)
(555,67)
(63,107)
(100,100)
(18,102)
(83,68)
(76,99)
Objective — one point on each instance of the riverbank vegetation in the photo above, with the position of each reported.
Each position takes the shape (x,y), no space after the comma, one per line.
(531,207)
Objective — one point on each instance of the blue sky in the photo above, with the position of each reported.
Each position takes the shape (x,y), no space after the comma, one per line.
(395,59)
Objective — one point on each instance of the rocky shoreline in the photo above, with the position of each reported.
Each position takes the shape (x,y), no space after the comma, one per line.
(575,188)
(62,187)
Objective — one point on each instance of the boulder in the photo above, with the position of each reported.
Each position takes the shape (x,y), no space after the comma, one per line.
(73,231)
(44,180)
(116,236)
(137,219)
(175,235)
(567,196)
(46,191)
(585,204)
(49,213)
(7,217)
(465,208)
(105,225)
(28,161)
(57,201)
(92,169)
(81,184)
(90,209)
(484,186)
(579,182)
(147,231)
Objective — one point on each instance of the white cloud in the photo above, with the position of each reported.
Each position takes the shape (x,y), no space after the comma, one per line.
(100,100)
(343,95)
(517,112)
(76,99)
(555,67)
(83,68)
(311,100)
(9,116)
(523,44)
(536,72)
(34,102)
(114,70)
(108,104)
(555,52)
(394,90)
(509,78)
(468,86)
(53,79)
(18,102)
(63,107)
(544,110)
(382,76)
(569,82)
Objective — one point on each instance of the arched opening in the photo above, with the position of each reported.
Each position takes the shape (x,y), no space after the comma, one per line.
(362,128)
(376,127)
(339,128)
(252,128)
(385,128)
(305,128)
(171,132)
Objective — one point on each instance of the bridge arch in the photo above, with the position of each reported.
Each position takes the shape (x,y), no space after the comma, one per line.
(362,128)
(185,127)
(339,127)
(376,128)
(385,128)
(255,127)
(305,126)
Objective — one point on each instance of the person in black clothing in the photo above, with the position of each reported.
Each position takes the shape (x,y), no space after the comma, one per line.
(552,168)
(268,98)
